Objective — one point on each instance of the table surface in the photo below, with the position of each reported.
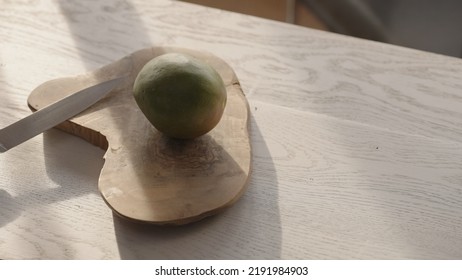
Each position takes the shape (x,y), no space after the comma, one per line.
(357,145)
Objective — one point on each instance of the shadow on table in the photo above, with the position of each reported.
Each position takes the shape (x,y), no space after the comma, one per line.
(81,170)
(10,209)
(99,29)
(250,229)
(81,175)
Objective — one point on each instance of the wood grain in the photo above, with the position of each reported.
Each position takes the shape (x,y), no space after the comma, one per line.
(356,144)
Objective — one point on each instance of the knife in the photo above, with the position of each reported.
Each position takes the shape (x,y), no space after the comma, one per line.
(53,114)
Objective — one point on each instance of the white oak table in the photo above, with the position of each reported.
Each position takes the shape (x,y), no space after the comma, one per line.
(357,145)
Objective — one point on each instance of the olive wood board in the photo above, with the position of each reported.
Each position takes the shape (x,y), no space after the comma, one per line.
(146,176)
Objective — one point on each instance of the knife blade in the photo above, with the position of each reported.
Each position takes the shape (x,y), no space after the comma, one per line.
(54,114)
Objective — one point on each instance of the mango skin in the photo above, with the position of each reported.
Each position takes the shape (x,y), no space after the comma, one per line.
(180,95)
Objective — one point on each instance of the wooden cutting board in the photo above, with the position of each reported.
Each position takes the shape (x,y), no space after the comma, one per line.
(147,176)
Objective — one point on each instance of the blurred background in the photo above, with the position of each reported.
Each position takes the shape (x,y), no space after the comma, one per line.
(429,25)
